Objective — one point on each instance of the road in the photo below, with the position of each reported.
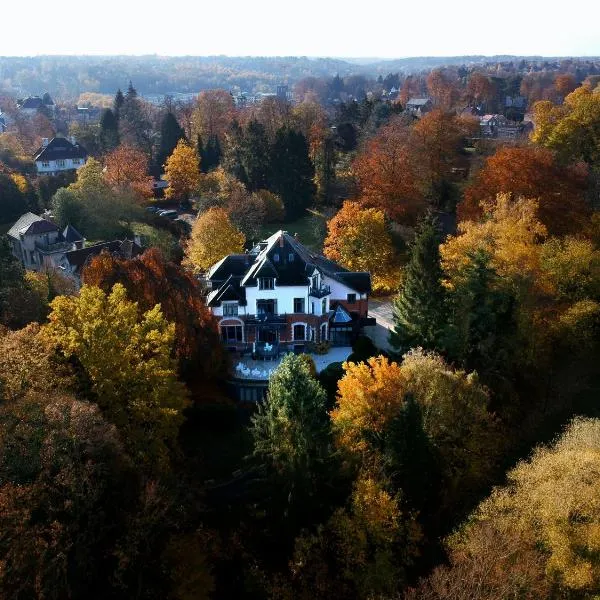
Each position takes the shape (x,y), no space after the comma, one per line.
(381,309)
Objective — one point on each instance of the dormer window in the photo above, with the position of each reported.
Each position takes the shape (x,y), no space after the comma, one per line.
(291,257)
(276,257)
(266,283)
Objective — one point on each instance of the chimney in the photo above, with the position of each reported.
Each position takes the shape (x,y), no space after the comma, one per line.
(73,140)
(281,240)
(44,142)
(296,237)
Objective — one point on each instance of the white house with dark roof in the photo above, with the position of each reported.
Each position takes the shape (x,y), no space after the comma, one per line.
(32,104)
(39,243)
(282,294)
(59,155)
(419,106)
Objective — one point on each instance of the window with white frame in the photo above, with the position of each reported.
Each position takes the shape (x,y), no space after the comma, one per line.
(230,309)
(46,164)
(299,332)
(60,163)
(266,283)
(299,305)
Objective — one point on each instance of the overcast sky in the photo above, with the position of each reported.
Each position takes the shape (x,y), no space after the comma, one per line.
(350,28)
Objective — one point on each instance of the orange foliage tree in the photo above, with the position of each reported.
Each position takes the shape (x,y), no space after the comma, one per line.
(150,280)
(127,167)
(387,173)
(212,115)
(442,88)
(531,173)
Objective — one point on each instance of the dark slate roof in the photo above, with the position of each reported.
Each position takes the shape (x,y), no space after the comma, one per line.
(60,149)
(125,249)
(229,290)
(33,102)
(418,101)
(234,264)
(31,224)
(70,234)
(283,257)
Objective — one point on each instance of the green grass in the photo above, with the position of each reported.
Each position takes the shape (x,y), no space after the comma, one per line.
(311,229)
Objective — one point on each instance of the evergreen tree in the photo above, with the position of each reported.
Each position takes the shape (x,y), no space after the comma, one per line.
(410,458)
(255,156)
(118,103)
(134,127)
(109,130)
(293,171)
(482,327)
(211,157)
(170,133)
(419,307)
(292,439)
(325,170)
(233,153)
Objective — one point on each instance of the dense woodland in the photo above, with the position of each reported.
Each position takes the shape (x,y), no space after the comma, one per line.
(463,463)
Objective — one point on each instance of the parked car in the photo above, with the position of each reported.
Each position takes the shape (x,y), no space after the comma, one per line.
(153,209)
(169,214)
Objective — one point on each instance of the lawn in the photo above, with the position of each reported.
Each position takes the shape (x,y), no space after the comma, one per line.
(311,229)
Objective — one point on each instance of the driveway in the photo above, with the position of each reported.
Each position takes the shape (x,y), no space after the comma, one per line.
(381,309)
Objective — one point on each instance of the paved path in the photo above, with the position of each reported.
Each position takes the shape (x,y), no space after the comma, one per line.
(381,309)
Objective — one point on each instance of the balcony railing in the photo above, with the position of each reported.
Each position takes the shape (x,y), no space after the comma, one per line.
(319,292)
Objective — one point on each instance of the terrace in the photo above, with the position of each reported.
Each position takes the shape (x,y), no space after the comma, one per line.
(261,370)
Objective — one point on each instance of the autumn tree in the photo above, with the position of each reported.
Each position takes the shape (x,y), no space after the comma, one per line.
(419,309)
(92,206)
(212,114)
(436,143)
(455,417)
(480,89)
(65,492)
(126,167)
(126,357)
(182,172)
(510,235)
(564,84)
(442,88)
(387,174)
(531,173)
(213,237)
(360,240)
(364,549)
(150,280)
(549,504)
(570,129)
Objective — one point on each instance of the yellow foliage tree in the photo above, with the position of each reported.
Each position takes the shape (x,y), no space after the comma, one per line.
(127,358)
(213,237)
(552,501)
(510,235)
(359,239)
(453,404)
(182,171)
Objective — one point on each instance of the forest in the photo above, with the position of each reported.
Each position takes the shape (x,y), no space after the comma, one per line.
(460,462)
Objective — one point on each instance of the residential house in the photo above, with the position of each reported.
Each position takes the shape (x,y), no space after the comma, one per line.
(280,294)
(419,106)
(39,244)
(498,126)
(32,104)
(58,155)
(72,263)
